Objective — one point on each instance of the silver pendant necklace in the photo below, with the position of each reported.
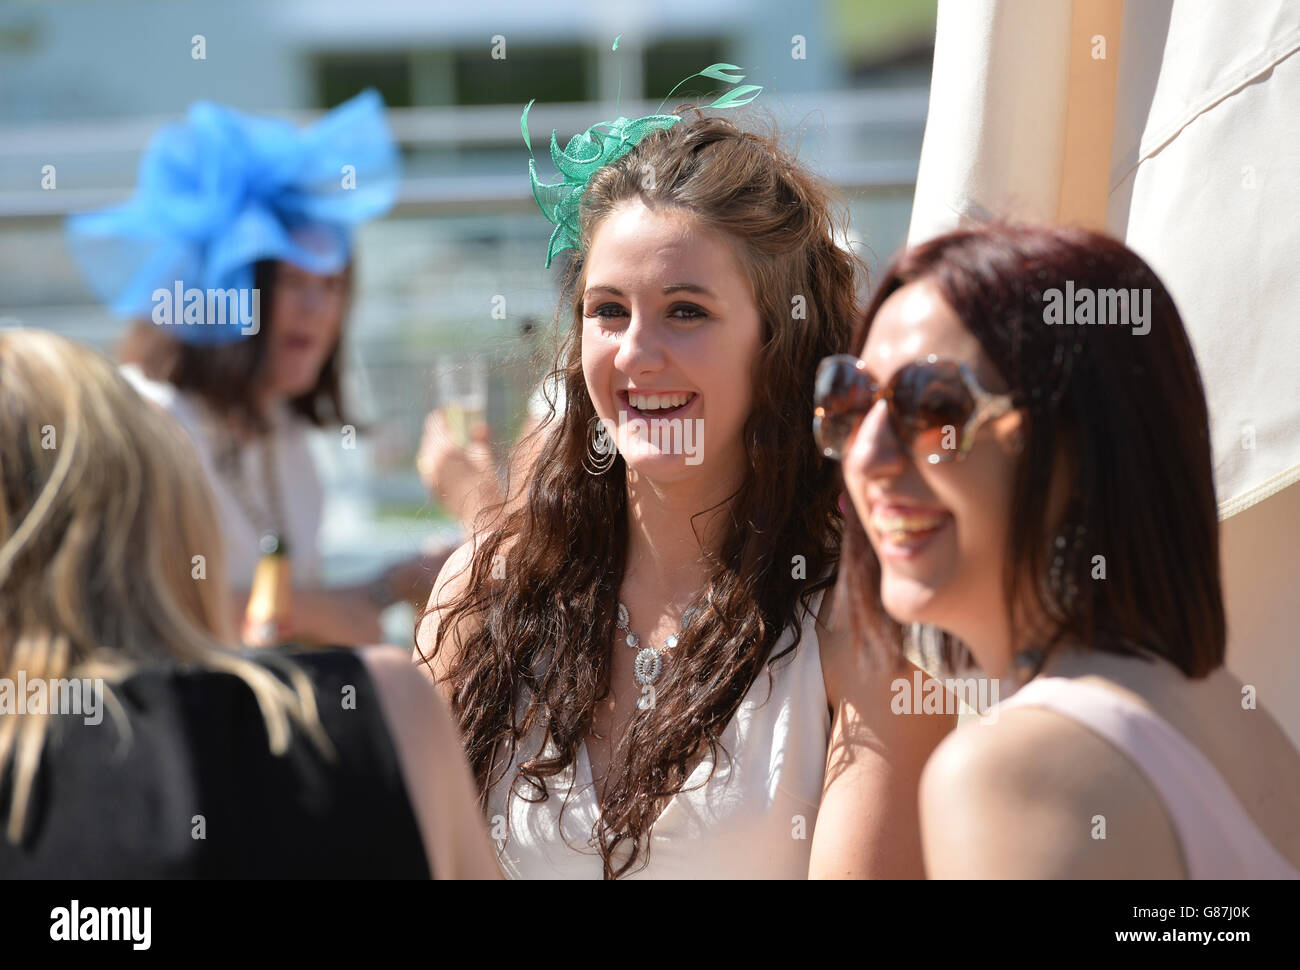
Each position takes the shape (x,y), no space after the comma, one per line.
(649,661)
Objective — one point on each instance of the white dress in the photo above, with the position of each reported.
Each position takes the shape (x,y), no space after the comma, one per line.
(754,819)
(300,487)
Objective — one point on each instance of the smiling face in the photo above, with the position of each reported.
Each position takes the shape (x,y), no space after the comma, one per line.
(307,317)
(939,530)
(670,336)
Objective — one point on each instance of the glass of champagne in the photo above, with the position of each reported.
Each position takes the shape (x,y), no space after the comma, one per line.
(462,394)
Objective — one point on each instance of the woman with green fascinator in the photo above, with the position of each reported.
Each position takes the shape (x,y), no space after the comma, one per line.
(641,650)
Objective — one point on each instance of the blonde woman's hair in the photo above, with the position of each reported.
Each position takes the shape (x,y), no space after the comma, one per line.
(104,513)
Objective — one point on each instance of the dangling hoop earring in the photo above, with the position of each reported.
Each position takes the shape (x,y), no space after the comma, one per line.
(1061,575)
(1062,584)
(601,449)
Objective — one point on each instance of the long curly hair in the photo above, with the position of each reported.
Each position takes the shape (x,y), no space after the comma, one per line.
(542,626)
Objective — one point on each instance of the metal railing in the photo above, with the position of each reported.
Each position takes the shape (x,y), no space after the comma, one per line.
(464,191)
(96,160)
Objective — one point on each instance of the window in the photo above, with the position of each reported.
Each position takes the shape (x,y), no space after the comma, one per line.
(552,73)
(342,76)
(667,62)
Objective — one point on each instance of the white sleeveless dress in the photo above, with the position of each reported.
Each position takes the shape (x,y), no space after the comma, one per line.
(753,820)
(294,466)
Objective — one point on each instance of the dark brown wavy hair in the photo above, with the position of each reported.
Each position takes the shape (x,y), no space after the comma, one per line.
(544,631)
(1123,414)
(224,376)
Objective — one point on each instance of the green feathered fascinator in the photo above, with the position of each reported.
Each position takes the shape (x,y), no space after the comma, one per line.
(595,148)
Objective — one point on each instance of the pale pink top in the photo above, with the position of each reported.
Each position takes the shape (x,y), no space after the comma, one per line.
(1219,839)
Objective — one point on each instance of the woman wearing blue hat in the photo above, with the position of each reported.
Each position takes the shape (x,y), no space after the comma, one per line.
(234,258)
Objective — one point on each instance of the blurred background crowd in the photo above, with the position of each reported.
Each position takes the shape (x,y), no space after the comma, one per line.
(448,284)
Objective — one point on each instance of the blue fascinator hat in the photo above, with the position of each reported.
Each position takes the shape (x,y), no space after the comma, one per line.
(223,190)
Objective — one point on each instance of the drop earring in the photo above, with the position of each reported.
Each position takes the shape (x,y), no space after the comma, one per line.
(1061,578)
(601,450)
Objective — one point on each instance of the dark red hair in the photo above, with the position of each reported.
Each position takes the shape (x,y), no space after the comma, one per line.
(1126,412)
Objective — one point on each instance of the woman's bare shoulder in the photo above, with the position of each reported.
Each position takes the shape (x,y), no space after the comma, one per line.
(453,582)
(1031,793)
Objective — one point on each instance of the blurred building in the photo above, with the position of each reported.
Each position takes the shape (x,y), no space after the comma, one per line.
(84,83)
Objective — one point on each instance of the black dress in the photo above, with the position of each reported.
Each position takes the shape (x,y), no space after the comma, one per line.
(195,792)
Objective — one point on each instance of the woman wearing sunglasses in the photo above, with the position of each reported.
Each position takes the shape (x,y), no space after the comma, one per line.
(1038,486)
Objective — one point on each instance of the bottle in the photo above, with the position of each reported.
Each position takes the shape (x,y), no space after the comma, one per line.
(267,613)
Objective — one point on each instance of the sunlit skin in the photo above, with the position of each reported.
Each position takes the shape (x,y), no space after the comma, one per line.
(950,576)
(646,340)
